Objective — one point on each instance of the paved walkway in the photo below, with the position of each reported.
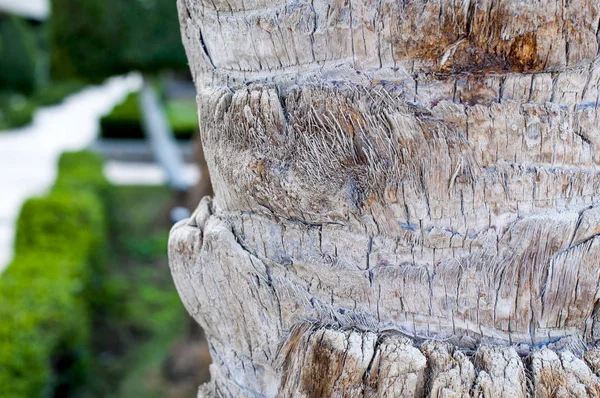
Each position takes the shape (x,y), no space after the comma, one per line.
(28,156)
(146,173)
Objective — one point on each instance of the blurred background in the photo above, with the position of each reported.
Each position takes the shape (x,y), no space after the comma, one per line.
(99,156)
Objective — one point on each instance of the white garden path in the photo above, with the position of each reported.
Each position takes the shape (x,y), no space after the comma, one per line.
(28,156)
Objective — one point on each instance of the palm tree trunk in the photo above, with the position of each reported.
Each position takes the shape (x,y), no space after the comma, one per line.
(406,197)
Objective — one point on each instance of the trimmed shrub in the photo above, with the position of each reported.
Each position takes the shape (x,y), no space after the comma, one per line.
(55,222)
(16,110)
(45,292)
(83,171)
(94,39)
(43,319)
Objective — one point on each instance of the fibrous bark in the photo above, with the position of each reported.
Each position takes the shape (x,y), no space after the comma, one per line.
(406,197)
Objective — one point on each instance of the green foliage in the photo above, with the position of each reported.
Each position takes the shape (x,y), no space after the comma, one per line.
(54,222)
(83,170)
(125,119)
(81,164)
(45,291)
(59,284)
(94,39)
(15,110)
(23,73)
(56,91)
(21,66)
(140,315)
(183,116)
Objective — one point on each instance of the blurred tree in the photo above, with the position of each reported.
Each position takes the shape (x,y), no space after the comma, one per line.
(20,69)
(94,39)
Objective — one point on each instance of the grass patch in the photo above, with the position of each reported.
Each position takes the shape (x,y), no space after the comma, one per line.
(182,114)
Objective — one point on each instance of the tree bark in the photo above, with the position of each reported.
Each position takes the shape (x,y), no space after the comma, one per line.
(406,197)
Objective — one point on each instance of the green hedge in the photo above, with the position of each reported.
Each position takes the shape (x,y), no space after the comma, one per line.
(94,39)
(46,291)
(83,171)
(125,119)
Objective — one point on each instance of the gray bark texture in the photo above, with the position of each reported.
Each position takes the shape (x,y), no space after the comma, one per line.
(406,197)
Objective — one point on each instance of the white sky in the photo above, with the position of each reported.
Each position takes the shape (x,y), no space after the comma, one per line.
(35,9)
